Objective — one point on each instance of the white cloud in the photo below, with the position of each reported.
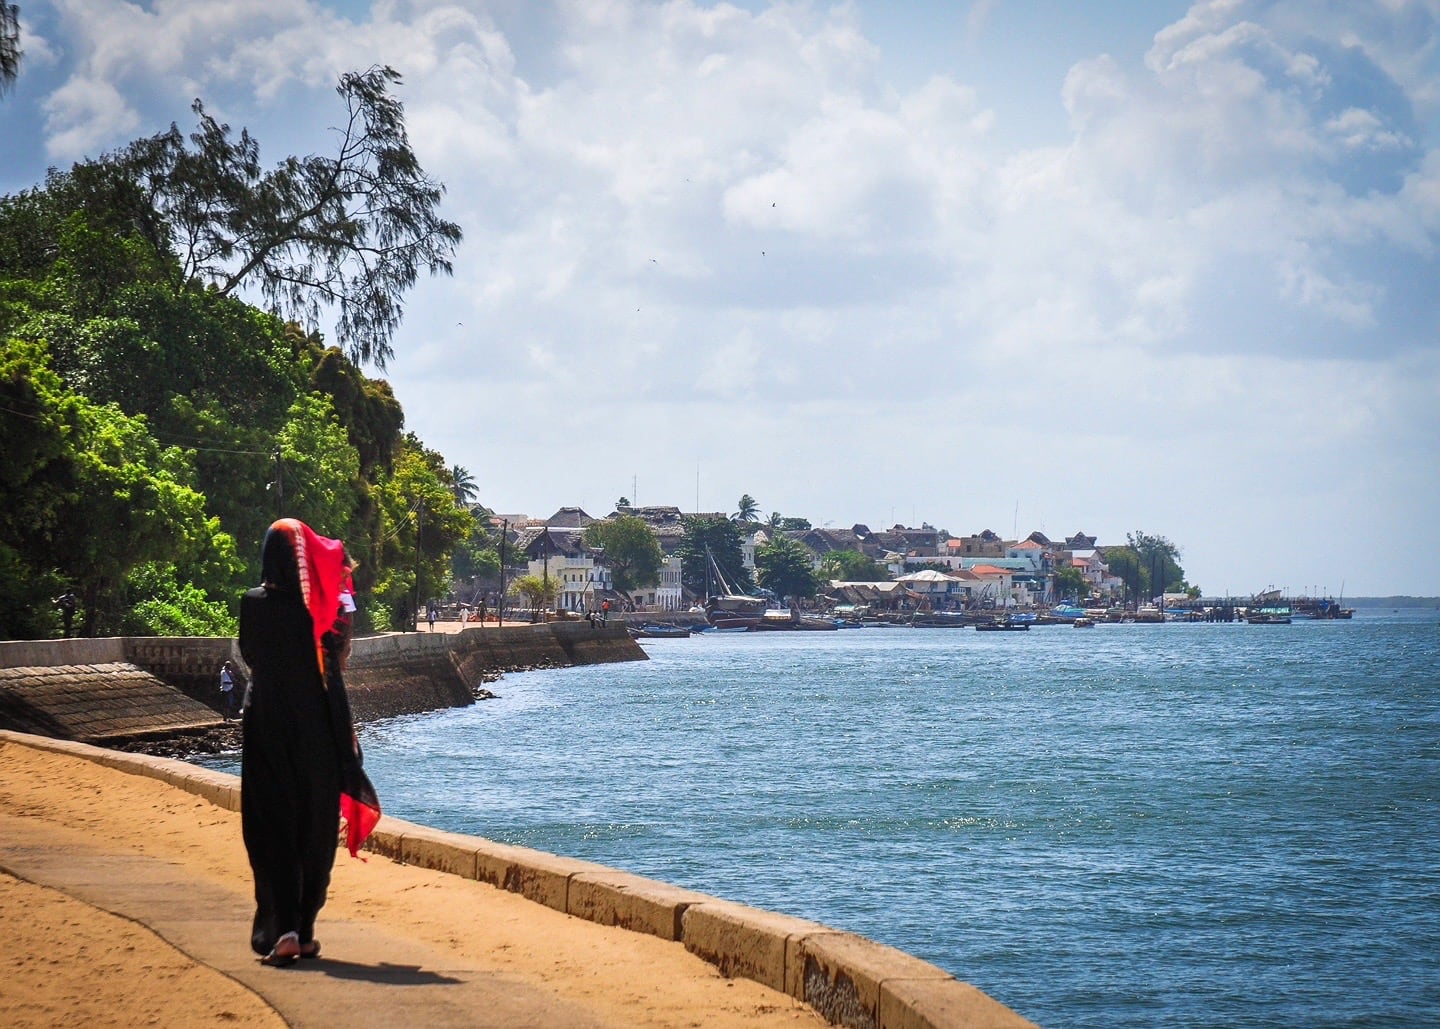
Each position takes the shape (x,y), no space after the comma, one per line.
(84,115)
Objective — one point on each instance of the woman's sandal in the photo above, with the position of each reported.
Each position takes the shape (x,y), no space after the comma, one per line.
(310,950)
(286,951)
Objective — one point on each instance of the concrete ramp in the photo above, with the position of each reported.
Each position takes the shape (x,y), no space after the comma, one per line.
(99,703)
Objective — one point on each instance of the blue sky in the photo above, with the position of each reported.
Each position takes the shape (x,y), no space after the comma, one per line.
(1101,267)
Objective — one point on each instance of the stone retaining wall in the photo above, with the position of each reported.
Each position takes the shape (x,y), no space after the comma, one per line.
(394,674)
(848,979)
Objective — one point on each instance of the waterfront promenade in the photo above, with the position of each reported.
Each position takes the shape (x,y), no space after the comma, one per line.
(127,902)
(125,886)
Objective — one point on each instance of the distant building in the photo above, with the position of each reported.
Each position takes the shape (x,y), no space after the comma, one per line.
(985,544)
(560,555)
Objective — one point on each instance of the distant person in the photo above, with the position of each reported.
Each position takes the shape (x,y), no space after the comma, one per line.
(430,613)
(300,764)
(605,612)
(67,604)
(227,688)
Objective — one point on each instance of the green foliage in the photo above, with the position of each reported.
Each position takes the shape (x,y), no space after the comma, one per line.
(1149,565)
(795,524)
(1071,584)
(536,590)
(351,230)
(784,567)
(141,412)
(163,602)
(851,566)
(462,484)
(747,510)
(632,553)
(322,472)
(366,407)
(418,525)
(477,558)
(723,540)
(93,495)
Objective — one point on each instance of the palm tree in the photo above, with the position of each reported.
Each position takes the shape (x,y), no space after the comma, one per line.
(747,509)
(774,521)
(9,45)
(462,484)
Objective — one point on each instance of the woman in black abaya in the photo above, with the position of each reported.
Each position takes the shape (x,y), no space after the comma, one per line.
(300,762)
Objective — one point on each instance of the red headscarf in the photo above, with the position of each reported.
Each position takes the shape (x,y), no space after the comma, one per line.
(324,571)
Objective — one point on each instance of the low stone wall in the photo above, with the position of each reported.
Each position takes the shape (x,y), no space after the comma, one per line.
(848,979)
(46,684)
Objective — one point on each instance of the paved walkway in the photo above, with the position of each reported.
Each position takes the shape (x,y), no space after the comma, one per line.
(402,945)
(383,979)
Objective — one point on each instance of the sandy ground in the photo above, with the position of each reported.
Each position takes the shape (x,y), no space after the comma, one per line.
(65,962)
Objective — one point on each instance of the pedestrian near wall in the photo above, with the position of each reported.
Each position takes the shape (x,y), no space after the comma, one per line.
(300,758)
(227,689)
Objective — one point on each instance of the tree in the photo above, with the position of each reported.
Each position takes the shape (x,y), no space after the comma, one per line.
(721,539)
(851,566)
(462,484)
(321,471)
(747,510)
(10,52)
(416,529)
(795,524)
(632,553)
(1071,584)
(784,567)
(1149,565)
(476,557)
(537,590)
(774,521)
(352,230)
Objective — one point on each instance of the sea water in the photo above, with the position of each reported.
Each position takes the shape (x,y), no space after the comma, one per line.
(1170,825)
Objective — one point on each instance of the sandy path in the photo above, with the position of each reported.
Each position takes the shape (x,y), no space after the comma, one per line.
(67,962)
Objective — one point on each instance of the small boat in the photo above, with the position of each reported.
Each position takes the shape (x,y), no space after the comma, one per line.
(736,624)
(1083,622)
(1003,625)
(656,631)
(1268,618)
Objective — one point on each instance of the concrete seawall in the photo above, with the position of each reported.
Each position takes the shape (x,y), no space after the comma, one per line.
(847,979)
(121,689)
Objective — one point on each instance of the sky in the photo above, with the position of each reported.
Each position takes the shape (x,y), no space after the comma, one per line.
(1101,267)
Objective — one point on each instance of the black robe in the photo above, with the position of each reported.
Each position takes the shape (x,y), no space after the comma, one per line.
(298,750)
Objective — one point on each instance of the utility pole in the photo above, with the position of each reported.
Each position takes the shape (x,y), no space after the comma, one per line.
(546,595)
(419,524)
(279,486)
(500,600)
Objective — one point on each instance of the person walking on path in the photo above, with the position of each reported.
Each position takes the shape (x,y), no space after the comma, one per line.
(300,766)
(227,688)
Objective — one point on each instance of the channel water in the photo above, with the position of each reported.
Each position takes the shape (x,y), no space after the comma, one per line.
(1177,825)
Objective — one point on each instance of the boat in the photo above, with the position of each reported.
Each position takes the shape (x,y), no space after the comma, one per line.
(657,631)
(1268,616)
(1003,624)
(1083,622)
(735,624)
(731,605)
(780,620)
